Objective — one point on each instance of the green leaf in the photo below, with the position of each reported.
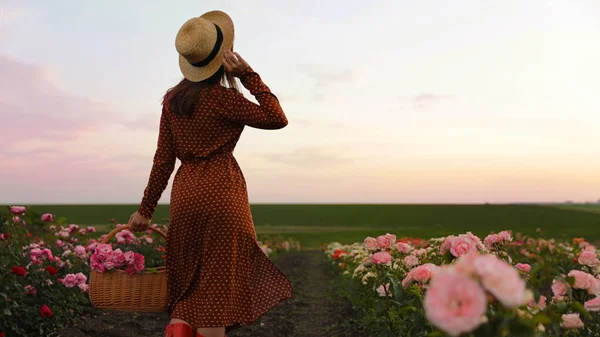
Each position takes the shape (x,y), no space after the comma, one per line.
(7,312)
(542,318)
(577,306)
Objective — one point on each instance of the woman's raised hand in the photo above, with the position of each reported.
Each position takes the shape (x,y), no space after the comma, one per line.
(234,64)
(137,222)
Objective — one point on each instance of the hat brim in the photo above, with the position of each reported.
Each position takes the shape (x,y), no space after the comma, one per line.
(197,74)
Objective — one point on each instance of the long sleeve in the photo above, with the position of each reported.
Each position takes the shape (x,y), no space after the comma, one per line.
(268,114)
(163,166)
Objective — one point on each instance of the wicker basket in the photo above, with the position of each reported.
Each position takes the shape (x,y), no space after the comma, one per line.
(119,291)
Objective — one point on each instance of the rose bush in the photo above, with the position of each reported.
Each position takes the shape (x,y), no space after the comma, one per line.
(461,285)
(45,265)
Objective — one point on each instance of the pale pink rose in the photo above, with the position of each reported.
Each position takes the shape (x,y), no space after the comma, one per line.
(403,247)
(411,260)
(384,291)
(149,240)
(419,252)
(48,217)
(59,243)
(591,248)
(70,280)
(592,305)
(523,267)
(465,264)
(16,219)
(84,287)
(421,274)
(502,280)
(63,233)
(366,261)
(66,253)
(383,242)
(103,250)
(109,265)
(541,303)
(445,247)
(559,288)
(381,258)
(588,258)
(594,288)
(73,228)
(571,321)
(30,290)
(462,245)
(454,302)
(17,209)
(370,243)
(80,251)
(505,235)
(492,239)
(475,239)
(92,246)
(391,237)
(125,237)
(583,280)
(83,231)
(91,229)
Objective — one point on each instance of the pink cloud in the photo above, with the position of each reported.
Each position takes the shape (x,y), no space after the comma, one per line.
(34,108)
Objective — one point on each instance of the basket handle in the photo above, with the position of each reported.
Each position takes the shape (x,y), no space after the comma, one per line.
(118,229)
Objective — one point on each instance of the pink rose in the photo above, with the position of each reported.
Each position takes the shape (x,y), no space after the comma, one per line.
(594,288)
(454,302)
(381,258)
(523,267)
(384,291)
(421,274)
(149,240)
(383,242)
(370,243)
(559,288)
(48,217)
(492,240)
(91,229)
(403,247)
(80,251)
(125,237)
(80,278)
(411,260)
(445,247)
(571,321)
(588,258)
(592,305)
(475,239)
(502,280)
(69,280)
(128,257)
(462,245)
(17,209)
(583,280)
(84,287)
(59,243)
(30,290)
(505,235)
(419,252)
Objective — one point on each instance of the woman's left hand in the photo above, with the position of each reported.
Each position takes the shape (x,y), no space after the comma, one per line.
(138,223)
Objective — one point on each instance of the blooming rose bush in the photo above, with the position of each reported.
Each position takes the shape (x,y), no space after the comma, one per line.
(45,265)
(461,285)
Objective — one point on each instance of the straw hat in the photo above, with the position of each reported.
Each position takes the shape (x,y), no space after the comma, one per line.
(200,42)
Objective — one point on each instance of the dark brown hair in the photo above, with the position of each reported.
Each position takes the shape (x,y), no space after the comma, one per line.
(183,97)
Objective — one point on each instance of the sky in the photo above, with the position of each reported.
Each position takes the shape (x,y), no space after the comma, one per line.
(466,101)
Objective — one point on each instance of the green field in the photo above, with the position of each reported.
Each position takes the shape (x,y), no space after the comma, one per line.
(594,208)
(314,225)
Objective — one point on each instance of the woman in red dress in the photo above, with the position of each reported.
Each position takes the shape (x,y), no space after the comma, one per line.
(219,278)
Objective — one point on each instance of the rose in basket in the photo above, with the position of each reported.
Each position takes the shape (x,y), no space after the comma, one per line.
(105,258)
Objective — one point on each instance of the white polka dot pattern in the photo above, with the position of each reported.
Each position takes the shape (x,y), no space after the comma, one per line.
(217,273)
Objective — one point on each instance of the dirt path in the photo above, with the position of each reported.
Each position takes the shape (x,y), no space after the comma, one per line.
(313,311)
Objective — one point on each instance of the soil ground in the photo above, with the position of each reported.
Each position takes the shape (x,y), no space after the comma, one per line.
(314,310)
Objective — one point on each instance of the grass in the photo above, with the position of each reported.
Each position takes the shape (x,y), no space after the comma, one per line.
(594,208)
(315,225)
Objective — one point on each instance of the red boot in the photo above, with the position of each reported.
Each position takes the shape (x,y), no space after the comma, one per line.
(179,330)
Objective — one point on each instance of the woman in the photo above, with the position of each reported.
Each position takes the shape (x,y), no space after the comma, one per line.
(218,276)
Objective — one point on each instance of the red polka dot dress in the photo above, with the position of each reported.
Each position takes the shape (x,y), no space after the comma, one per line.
(217,273)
